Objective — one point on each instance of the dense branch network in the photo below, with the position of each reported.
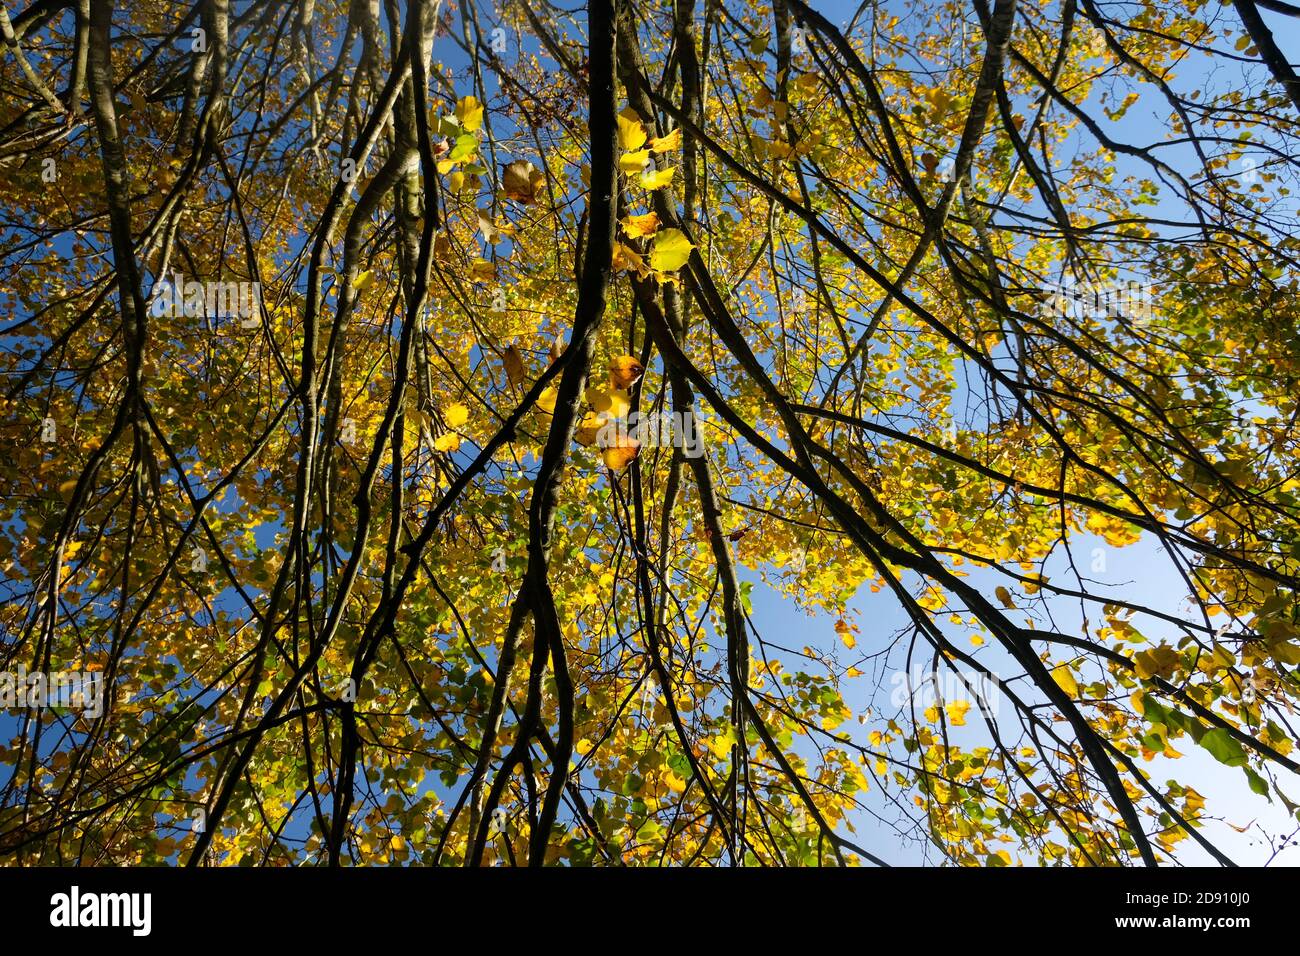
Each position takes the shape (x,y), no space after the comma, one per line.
(328,327)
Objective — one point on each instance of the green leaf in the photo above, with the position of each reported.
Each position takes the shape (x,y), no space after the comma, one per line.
(1257,783)
(679,765)
(1154,711)
(1223,747)
(466,144)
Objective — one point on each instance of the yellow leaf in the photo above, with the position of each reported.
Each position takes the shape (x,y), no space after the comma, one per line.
(546,400)
(671,250)
(633,162)
(448,442)
(666,142)
(482,270)
(470,113)
(363,280)
(778,148)
(721,744)
(613,402)
(657,179)
(631,131)
(583,747)
(643,225)
(1062,675)
(1159,660)
(625,258)
(618,457)
(588,428)
(1004,596)
(845,632)
(456,415)
(957,712)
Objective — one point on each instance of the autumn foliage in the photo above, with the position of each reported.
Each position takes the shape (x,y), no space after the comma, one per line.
(965,334)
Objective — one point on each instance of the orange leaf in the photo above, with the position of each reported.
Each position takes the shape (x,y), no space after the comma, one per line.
(624,372)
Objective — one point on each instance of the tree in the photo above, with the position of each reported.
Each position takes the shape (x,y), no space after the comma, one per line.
(420,420)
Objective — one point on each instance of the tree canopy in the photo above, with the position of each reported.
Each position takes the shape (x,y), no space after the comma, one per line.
(677,433)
